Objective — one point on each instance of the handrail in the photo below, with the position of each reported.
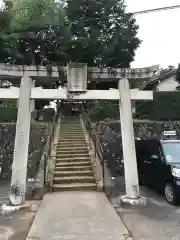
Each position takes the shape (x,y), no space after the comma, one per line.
(42,171)
(49,142)
(92,132)
(108,181)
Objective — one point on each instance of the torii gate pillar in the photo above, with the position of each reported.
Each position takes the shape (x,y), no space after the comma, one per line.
(20,158)
(129,152)
(32,100)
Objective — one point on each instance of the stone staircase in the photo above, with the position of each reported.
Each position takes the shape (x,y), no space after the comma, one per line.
(73,170)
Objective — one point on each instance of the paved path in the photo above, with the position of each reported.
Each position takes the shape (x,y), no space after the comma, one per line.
(77,216)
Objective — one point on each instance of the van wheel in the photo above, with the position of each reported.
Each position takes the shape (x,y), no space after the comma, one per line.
(170,193)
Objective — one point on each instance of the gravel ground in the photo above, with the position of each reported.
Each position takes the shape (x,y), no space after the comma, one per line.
(157,221)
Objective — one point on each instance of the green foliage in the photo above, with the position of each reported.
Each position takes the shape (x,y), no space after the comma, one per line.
(35,40)
(46,114)
(8,114)
(32,13)
(178,74)
(97,32)
(101,110)
(164,107)
(102,34)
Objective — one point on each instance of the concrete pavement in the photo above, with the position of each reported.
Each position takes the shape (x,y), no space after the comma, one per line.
(77,216)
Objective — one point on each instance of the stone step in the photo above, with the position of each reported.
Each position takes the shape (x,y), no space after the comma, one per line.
(73,126)
(76,143)
(66,129)
(72,164)
(73,179)
(69,135)
(76,125)
(74,187)
(68,160)
(72,155)
(62,168)
(80,132)
(71,141)
(69,148)
(63,173)
(74,137)
(71,120)
(72,151)
(71,144)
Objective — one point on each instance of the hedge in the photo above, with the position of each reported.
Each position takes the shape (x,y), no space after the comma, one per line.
(164,107)
(101,110)
(8,114)
(45,114)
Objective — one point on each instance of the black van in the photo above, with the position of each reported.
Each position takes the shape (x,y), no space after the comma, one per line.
(158,164)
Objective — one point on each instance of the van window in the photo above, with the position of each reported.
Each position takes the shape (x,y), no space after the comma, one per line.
(172,151)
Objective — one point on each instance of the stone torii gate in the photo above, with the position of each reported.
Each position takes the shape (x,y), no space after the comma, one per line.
(77,75)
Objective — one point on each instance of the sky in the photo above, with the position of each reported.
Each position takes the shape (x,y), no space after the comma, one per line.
(158,31)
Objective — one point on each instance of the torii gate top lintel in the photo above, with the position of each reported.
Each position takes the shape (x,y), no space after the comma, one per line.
(93,73)
(77,75)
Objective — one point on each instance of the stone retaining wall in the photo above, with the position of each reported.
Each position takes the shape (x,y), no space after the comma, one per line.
(38,137)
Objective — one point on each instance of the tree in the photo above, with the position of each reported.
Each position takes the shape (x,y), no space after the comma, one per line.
(36,36)
(169,69)
(37,41)
(5,30)
(178,74)
(102,33)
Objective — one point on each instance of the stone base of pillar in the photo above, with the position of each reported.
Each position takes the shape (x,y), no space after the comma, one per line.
(8,209)
(140,201)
